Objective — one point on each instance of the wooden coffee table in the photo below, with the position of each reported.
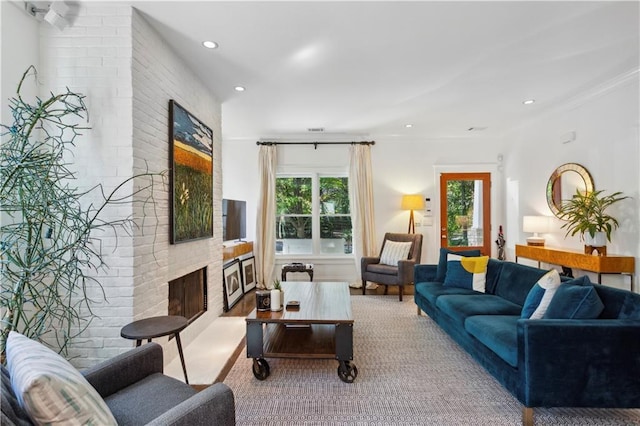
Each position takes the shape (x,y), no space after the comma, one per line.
(322,328)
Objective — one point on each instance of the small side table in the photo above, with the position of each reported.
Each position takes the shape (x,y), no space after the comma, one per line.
(297,267)
(157,327)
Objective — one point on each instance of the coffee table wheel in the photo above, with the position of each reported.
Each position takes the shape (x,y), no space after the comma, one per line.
(347,371)
(260,368)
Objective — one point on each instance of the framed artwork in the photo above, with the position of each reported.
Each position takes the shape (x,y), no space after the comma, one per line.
(191,176)
(248,267)
(232,284)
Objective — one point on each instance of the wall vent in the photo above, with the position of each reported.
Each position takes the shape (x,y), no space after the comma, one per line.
(315,129)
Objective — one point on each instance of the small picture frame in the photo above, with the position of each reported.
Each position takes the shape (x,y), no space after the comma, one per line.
(232,284)
(248,267)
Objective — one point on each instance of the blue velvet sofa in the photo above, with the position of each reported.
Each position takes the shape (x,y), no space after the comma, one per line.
(542,362)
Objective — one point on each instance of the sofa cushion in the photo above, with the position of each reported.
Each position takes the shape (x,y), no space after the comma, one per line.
(516,280)
(432,290)
(459,307)
(12,412)
(575,302)
(618,304)
(441,272)
(157,393)
(50,389)
(540,295)
(394,251)
(497,332)
(467,272)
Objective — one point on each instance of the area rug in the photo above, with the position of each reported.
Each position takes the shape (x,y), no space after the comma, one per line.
(409,373)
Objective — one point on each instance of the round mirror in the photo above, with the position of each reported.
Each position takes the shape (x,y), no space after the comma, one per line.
(564,182)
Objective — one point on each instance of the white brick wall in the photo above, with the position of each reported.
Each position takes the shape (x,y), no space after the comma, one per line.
(158,76)
(128,73)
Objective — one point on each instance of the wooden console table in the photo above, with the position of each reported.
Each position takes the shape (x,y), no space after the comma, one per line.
(610,264)
(235,250)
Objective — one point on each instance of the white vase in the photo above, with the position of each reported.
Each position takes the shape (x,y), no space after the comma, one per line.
(276,301)
(599,239)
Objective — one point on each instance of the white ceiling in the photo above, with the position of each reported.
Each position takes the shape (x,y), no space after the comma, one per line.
(365,69)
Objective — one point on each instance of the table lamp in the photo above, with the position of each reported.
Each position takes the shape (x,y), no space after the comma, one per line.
(412,202)
(536,224)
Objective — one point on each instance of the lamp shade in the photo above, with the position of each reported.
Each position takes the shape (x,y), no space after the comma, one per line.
(536,224)
(412,202)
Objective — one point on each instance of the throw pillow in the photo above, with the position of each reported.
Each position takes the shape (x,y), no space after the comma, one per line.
(441,271)
(467,272)
(395,251)
(575,302)
(540,295)
(50,389)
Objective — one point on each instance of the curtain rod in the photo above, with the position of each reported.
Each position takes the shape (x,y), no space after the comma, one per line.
(315,144)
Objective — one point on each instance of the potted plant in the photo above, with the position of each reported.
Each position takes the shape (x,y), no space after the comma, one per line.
(50,254)
(586,215)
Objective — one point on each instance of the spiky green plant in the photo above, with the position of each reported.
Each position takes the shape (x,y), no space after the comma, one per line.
(277,285)
(586,213)
(49,246)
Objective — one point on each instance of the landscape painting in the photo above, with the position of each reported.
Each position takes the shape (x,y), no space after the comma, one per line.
(191,184)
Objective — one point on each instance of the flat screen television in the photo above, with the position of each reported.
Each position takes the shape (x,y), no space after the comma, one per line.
(234,220)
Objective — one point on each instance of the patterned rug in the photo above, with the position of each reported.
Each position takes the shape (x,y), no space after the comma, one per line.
(409,373)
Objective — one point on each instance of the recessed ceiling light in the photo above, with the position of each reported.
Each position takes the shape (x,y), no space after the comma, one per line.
(239,89)
(408,126)
(210,44)
(528,101)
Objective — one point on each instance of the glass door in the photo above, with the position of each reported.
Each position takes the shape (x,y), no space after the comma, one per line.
(465,211)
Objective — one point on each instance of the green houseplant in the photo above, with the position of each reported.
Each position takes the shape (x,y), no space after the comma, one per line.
(50,232)
(586,214)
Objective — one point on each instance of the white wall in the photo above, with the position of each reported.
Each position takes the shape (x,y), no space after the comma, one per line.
(399,167)
(606,122)
(18,50)
(159,75)
(128,75)
(605,119)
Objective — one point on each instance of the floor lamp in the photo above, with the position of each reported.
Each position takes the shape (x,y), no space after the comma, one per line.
(412,202)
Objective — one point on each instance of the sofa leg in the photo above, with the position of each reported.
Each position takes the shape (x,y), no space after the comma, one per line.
(419,311)
(386,290)
(527,416)
(400,291)
(364,287)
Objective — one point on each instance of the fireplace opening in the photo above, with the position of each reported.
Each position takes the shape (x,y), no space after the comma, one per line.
(188,295)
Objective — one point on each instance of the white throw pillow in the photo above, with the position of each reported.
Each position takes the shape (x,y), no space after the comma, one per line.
(50,389)
(394,251)
(540,295)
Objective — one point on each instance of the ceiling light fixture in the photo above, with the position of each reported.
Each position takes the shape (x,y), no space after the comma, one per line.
(528,101)
(239,89)
(408,126)
(210,44)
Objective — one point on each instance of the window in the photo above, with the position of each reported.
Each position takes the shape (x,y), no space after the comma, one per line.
(312,215)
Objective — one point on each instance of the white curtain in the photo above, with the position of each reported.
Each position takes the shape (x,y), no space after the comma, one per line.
(265,247)
(361,204)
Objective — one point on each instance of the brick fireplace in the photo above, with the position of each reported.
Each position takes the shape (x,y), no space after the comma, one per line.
(188,295)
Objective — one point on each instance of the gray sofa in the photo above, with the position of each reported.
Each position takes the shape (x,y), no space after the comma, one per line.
(137,393)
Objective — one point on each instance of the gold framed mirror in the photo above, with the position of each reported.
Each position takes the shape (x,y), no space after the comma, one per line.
(564,182)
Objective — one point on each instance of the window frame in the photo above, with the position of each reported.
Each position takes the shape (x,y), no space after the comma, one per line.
(315,176)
